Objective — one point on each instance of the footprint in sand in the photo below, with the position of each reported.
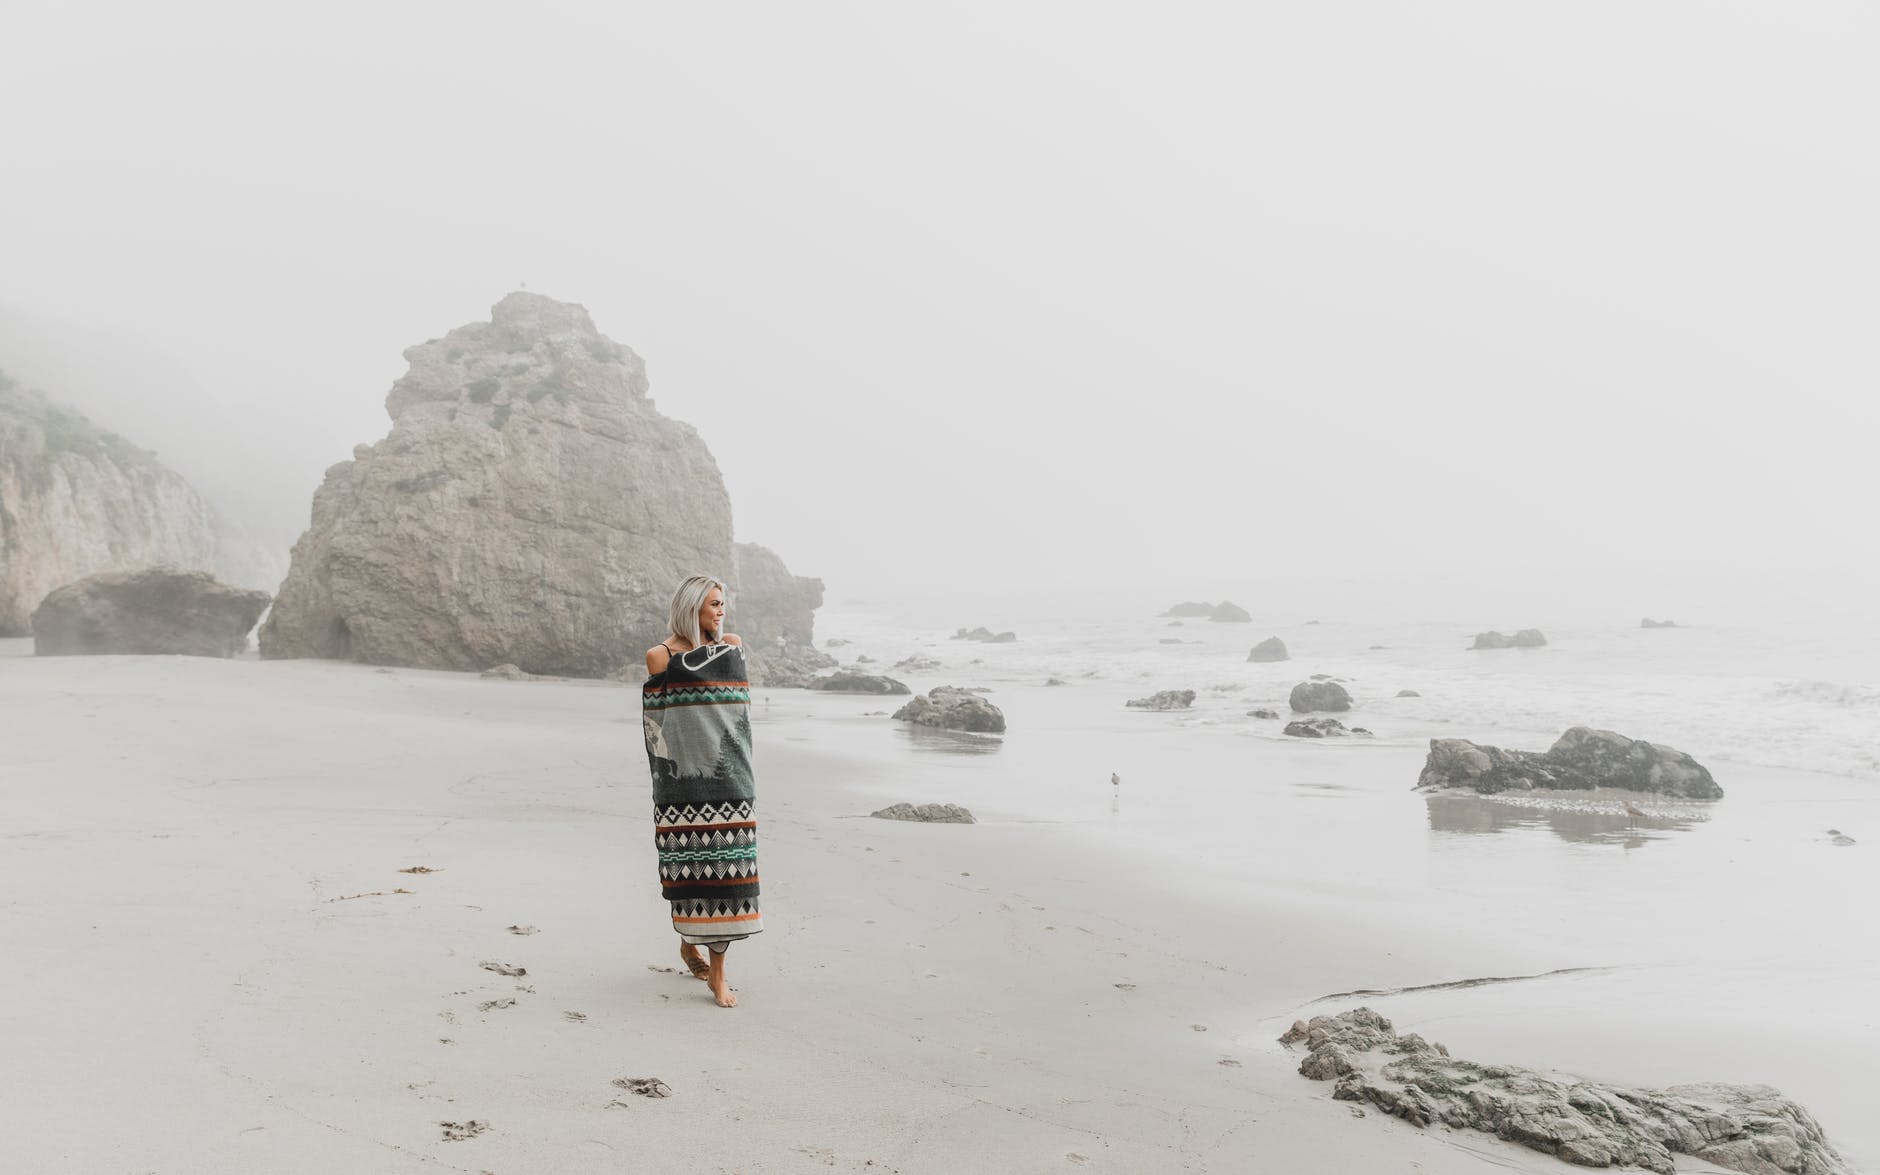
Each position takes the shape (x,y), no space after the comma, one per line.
(420,869)
(1229,1062)
(662,970)
(495,1005)
(505,969)
(1124,986)
(458,1131)
(522,930)
(575,1017)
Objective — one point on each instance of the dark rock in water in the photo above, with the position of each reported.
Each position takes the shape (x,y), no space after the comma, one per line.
(1408,693)
(1230,613)
(1316,728)
(1359,730)
(926,813)
(153,612)
(1270,649)
(847,681)
(1055,681)
(1580,760)
(917,664)
(1527,638)
(1749,1128)
(1190,608)
(1312,696)
(837,642)
(1648,622)
(864,659)
(1168,699)
(953,709)
(985,636)
(1263,713)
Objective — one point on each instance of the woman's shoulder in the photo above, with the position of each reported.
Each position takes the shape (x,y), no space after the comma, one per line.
(732,638)
(658,657)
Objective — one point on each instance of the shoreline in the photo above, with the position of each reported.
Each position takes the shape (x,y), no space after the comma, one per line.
(203,879)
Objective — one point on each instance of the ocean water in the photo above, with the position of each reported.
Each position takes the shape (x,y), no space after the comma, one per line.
(1723,941)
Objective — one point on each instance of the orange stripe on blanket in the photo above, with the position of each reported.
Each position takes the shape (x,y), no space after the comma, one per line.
(726,918)
(704,827)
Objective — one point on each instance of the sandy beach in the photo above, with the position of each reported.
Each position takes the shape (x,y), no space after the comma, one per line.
(219,961)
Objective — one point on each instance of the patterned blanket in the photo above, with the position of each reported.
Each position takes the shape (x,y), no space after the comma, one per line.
(698,743)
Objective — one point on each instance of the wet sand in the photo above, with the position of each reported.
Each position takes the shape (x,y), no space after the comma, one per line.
(213,968)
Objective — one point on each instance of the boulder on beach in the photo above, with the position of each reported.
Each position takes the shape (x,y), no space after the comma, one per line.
(1408,693)
(1580,760)
(1168,699)
(953,709)
(1648,622)
(1227,613)
(1316,728)
(848,681)
(152,612)
(530,505)
(1314,696)
(1270,649)
(926,813)
(1263,713)
(1527,638)
(1192,608)
(1749,1128)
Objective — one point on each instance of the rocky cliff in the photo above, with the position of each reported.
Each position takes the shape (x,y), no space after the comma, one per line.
(76,500)
(530,506)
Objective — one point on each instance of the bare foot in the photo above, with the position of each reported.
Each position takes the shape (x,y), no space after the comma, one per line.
(694,961)
(721,987)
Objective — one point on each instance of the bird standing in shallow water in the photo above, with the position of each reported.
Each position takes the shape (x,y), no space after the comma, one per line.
(1631,810)
(1115,780)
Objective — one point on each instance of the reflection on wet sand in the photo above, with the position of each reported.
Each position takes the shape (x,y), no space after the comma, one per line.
(952,742)
(1625,819)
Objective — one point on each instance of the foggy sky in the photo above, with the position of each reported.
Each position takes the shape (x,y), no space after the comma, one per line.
(1160,296)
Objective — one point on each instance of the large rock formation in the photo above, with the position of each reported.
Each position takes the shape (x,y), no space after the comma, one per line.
(950,708)
(1750,1128)
(159,610)
(1309,697)
(76,500)
(775,613)
(530,506)
(1580,760)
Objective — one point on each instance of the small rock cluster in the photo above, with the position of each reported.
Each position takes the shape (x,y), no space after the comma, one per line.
(1750,1128)
(1168,699)
(950,708)
(1581,759)
(985,636)
(926,813)
(1527,638)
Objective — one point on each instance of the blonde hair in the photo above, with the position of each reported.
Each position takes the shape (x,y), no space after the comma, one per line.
(687,601)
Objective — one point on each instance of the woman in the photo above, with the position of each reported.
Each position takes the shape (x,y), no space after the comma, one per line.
(696,705)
